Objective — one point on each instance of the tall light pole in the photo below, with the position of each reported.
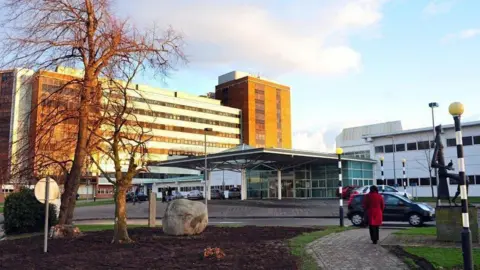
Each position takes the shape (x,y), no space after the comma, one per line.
(404,161)
(205,172)
(383,174)
(434,105)
(339,154)
(456,109)
(394,160)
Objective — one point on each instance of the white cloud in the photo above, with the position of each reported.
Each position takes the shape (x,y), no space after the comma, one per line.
(322,139)
(248,33)
(435,7)
(464,34)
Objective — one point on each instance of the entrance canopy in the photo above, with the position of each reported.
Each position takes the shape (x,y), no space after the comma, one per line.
(245,157)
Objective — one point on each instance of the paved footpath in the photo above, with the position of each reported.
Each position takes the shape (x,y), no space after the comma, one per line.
(353,250)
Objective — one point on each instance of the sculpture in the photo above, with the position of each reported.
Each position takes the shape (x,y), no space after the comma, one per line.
(438,161)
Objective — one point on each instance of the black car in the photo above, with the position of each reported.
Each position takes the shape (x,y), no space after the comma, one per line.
(397,208)
(140,197)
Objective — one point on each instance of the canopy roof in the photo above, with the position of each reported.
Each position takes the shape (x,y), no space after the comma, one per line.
(246,157)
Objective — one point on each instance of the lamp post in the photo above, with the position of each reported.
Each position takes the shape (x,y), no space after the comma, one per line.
(434,105)
(394,160)
(205,172)
(339,154)
(456,109)
(404,161)
(383,174)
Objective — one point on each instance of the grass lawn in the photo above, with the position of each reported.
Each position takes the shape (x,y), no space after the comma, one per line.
(433,200)
(444,258)
(418,231)
(299,243)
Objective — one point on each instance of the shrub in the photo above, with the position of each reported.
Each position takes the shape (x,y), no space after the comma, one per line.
(24,214)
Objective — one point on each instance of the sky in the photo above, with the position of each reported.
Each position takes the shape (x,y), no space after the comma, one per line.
(348,62)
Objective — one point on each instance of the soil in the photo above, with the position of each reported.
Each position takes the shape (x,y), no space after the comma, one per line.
(246,247)
(420,263)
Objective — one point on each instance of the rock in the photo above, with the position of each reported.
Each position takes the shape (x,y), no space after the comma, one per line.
(185,217)
(65,231)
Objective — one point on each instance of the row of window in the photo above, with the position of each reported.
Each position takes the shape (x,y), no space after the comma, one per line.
(71,92)
(358,154)
(185,118)
(472,180)
(181,129)
(200,188)
(424,145)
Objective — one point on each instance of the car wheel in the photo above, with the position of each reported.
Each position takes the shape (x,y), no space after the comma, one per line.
(415,220)
(357,219)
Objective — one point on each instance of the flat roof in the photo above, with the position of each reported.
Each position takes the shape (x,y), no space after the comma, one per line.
(417,130)
(248,158)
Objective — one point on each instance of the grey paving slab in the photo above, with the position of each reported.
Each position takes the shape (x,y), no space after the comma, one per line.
(353,250)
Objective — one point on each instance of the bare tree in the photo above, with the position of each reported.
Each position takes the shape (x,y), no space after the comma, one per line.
(123,138)
(84,34)
(427,164)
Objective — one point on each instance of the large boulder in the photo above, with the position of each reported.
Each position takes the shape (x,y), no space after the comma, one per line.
(185,217)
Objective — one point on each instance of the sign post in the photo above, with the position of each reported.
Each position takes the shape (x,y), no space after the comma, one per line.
(46,191)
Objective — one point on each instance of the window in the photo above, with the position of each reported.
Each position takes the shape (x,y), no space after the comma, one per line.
(413,181)
(451,142)
(389,189)
(424,181)
(390,200)
(467,140)
(412,146)
(434,181)
(477,179)
(389,148)
(476,139)
(379,149)
(379,182)
(423,145)
(471,179)
(390,182)
(400,147)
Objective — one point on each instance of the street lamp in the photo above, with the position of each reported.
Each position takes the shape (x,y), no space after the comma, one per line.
(382,158)
(456,109)
(339,154)
(404,161)
(434,105)
(205,176)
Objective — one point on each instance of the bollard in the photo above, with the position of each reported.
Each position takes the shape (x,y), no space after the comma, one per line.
(152,209)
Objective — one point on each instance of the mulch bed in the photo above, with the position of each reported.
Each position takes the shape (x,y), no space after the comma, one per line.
(420,262)
(246,247)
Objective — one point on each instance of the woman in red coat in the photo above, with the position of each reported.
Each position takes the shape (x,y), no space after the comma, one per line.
(373,205)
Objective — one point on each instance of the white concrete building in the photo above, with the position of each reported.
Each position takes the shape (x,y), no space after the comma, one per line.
(390,141)
(177,121)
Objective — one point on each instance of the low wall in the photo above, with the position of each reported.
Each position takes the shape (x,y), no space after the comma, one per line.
(449,223)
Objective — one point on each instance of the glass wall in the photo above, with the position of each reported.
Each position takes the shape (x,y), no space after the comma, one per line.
(307,181)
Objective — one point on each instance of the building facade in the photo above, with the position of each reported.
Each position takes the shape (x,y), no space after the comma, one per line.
(265,105)
(390,142)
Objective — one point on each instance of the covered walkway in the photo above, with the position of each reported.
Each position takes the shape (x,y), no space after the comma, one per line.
(278,173)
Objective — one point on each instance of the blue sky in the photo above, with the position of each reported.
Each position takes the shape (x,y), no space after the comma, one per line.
(348,62)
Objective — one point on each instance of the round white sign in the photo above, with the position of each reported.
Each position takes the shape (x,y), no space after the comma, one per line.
(53,190)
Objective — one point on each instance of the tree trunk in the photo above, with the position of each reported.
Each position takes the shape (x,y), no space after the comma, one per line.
(120,235)
(73,179)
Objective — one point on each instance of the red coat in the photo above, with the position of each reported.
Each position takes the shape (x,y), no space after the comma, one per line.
(374,205)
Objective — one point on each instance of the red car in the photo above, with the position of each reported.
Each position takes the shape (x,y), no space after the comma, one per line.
(346,191)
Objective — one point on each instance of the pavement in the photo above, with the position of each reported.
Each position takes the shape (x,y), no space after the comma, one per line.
(353,249)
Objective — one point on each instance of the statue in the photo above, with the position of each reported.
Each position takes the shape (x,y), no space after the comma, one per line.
(438,161)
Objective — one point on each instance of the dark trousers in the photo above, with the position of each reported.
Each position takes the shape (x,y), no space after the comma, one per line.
(374,233)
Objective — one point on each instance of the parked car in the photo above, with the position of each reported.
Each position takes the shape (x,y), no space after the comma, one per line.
(346,191)
(234,193)
(195,195)
(397,208)
(381,189)
(140,197)
(177,195)
(217,194)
